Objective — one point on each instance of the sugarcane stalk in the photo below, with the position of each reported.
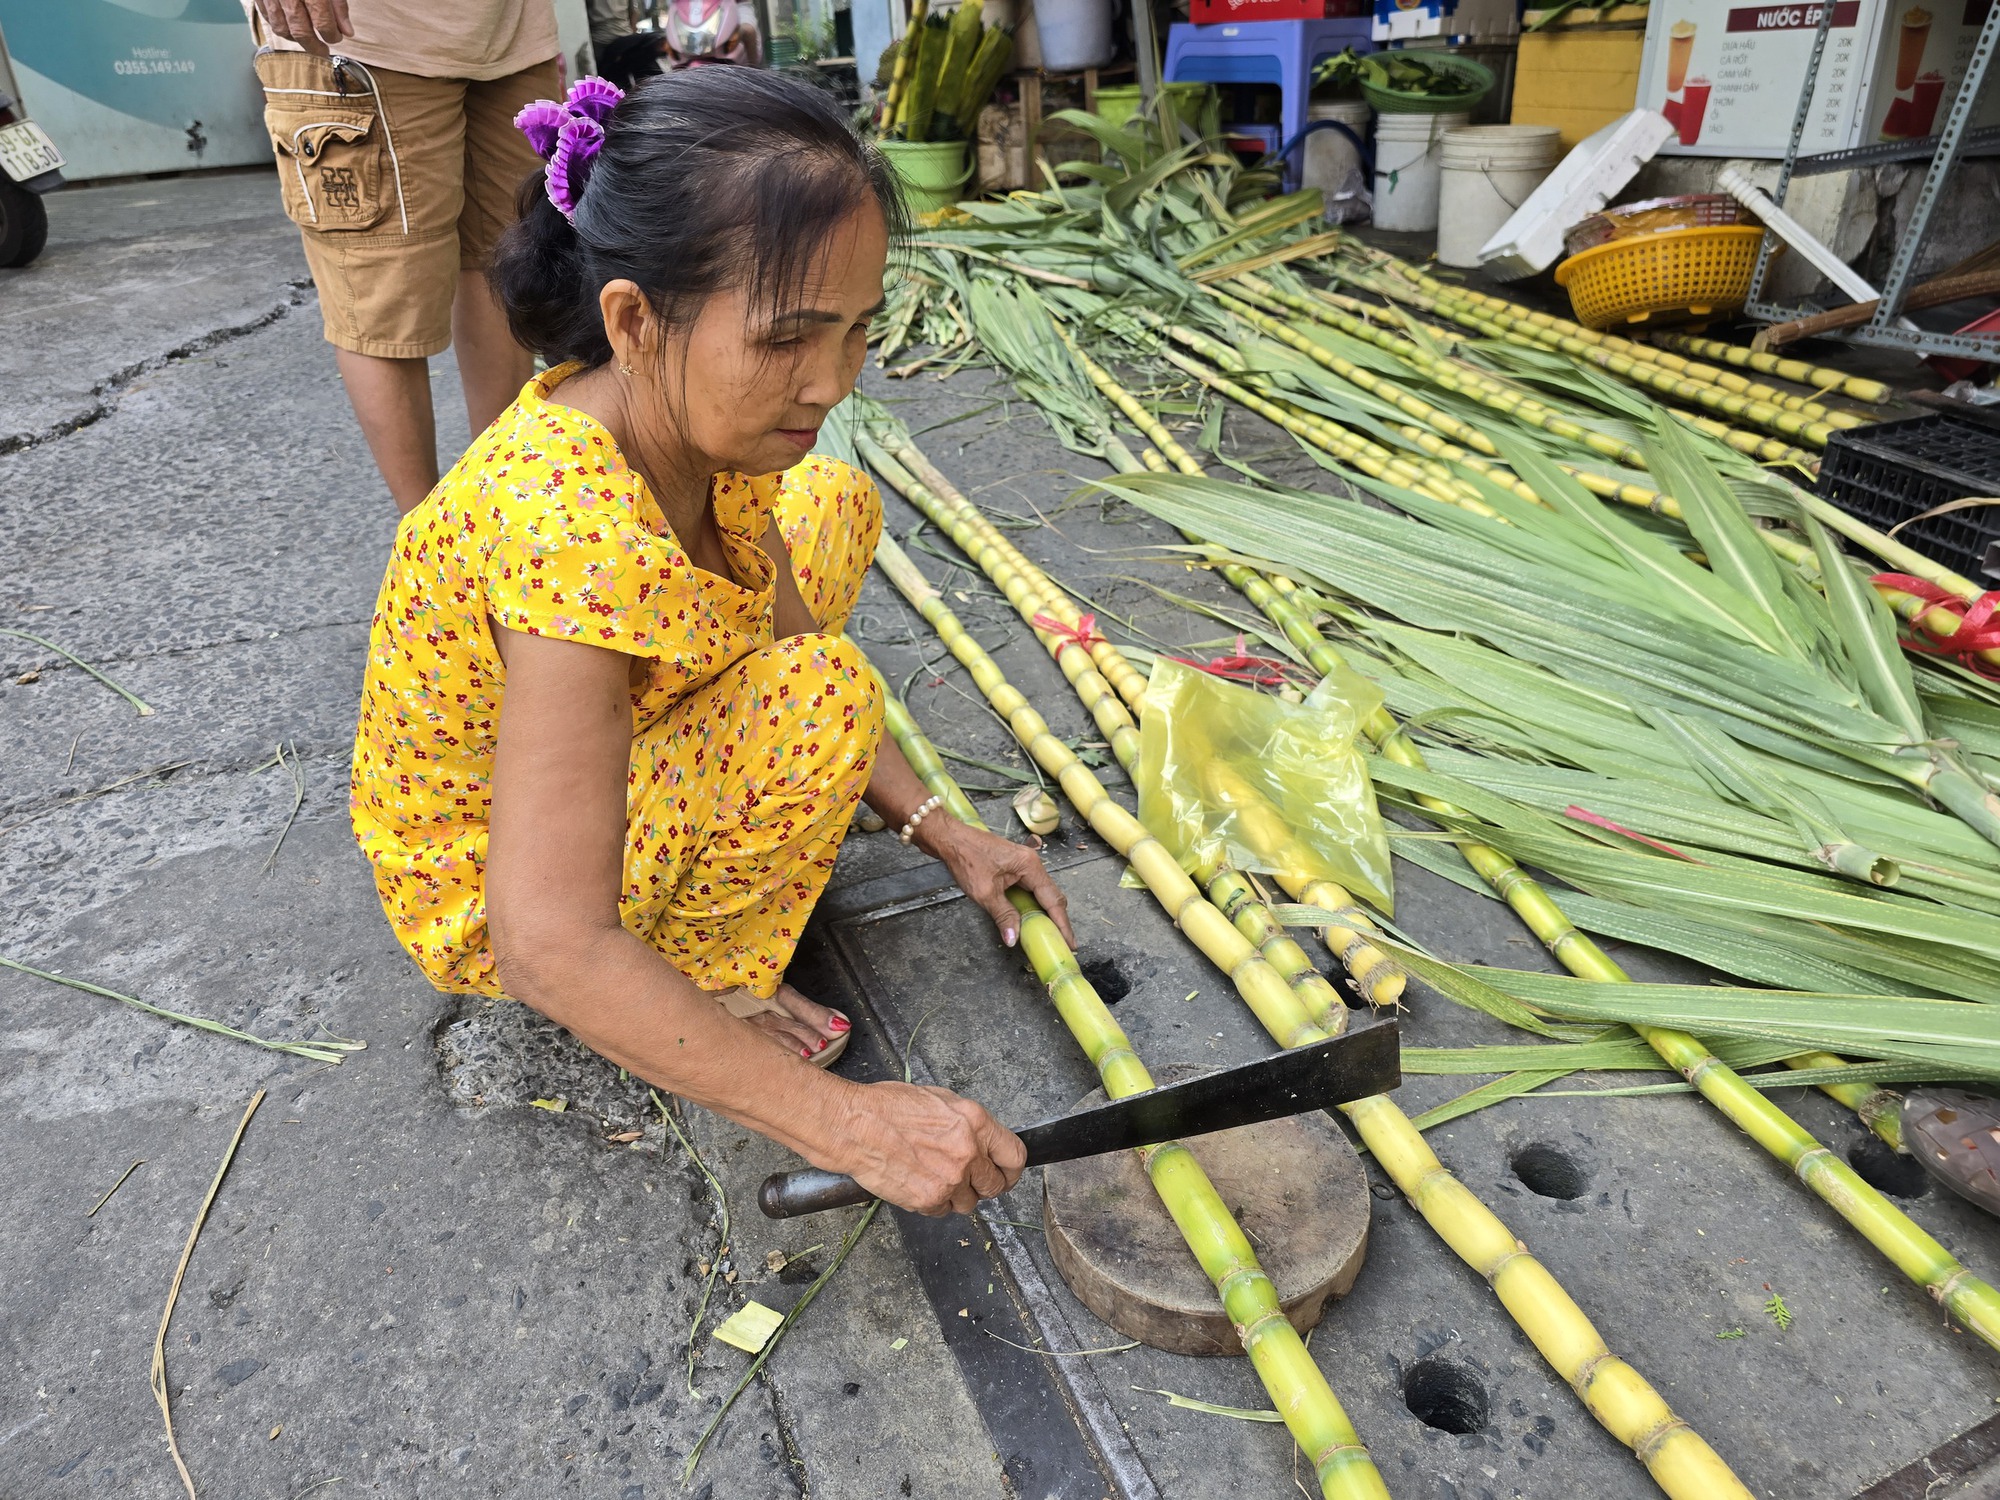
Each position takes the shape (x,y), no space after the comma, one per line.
(1562,333)
(1800,425)
(1878,1108)
(1679,1460)
(956,512)
(1369,457)
(1263,989)
(1935,620)
(899,74)
(1296,1385)
(1476,385)
(1795,370)
(1035,598)
(1491,391)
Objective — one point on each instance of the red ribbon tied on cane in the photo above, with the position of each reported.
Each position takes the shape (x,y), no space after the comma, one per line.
(1262,671)
(1083,633)
(1977,630)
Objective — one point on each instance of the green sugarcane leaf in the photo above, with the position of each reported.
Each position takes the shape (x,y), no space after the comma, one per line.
(1513,1086)
(1940,1033)
(1738,776)
(1723,882)
(1766,951)
(1868,630)
(1944,1032)
(1727,536)
(1681,585)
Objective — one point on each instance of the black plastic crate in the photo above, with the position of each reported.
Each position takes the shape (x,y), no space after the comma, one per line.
(1890,471)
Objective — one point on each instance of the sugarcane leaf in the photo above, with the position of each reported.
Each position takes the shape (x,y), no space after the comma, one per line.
(1727,536)
(1945,1032)
(1671,578)
(1512,1086)
(1868,630)
(1741,779)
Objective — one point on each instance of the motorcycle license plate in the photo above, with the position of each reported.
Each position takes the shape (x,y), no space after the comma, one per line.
(26,151)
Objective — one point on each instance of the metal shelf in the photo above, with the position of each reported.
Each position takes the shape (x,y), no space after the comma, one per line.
(1887,328)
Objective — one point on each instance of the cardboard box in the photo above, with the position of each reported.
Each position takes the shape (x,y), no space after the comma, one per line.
(1578,81)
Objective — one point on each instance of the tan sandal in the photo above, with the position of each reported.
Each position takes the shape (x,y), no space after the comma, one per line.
(743,1004)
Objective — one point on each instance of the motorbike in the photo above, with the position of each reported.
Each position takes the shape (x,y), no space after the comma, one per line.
(692,34)
(30,165)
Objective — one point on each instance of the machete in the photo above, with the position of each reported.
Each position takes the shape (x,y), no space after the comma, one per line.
(1357,1064)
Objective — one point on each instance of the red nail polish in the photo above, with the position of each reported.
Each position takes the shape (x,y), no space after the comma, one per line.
(820,1045)
(805,1053)
(839,1023)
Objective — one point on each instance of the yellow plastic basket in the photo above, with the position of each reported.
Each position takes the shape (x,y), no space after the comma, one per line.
(1676,276)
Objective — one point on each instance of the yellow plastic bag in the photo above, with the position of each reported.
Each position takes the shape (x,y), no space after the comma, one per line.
(1268,786)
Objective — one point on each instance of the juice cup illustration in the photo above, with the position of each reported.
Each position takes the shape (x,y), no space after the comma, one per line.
(1694,104)
(1928,92)
(1915,33)
(1680,50)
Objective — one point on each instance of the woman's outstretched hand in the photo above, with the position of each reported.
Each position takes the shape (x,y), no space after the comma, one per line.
(987,866)
(927,1149)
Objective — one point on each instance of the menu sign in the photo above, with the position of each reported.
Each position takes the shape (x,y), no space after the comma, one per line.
(1924,55)
(1728,76)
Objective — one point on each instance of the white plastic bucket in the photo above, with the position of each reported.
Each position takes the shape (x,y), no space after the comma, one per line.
(1075,34)
(1408,156)
(1485,173)
(1331,162)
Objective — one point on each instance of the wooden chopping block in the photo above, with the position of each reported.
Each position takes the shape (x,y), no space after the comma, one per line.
(1296,1187)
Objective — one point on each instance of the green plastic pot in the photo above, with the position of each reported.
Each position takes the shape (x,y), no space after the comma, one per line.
(932,172)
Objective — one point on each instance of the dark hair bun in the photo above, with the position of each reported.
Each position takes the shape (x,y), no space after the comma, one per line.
(709,178)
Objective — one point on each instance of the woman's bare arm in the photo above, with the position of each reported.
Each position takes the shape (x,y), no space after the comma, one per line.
(985,865)
(554,869)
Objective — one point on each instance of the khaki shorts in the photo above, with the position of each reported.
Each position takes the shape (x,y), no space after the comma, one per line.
(398,183)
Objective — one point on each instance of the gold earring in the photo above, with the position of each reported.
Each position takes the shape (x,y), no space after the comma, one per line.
(623,368)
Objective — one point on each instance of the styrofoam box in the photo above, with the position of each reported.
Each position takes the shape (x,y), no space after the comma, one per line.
(1586,180)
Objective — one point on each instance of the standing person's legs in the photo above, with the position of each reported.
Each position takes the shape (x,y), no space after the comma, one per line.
(392,402)
(370,162)
(491,366)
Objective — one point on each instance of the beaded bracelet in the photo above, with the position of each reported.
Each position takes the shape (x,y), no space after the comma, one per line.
(909,829)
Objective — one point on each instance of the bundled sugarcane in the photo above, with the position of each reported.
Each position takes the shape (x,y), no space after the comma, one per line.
(926,45)
(899,77)
(1913,1251)
(988,66)
(962,33)
(952,64)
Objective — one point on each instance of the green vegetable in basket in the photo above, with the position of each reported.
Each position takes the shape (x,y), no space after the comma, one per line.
(1398,73)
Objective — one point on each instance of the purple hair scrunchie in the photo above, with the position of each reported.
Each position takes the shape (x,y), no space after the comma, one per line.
(568,137)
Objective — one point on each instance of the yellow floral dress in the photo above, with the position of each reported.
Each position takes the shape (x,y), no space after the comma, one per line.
(748,754)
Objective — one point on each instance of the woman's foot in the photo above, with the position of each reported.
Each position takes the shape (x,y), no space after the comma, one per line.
(803,1027)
